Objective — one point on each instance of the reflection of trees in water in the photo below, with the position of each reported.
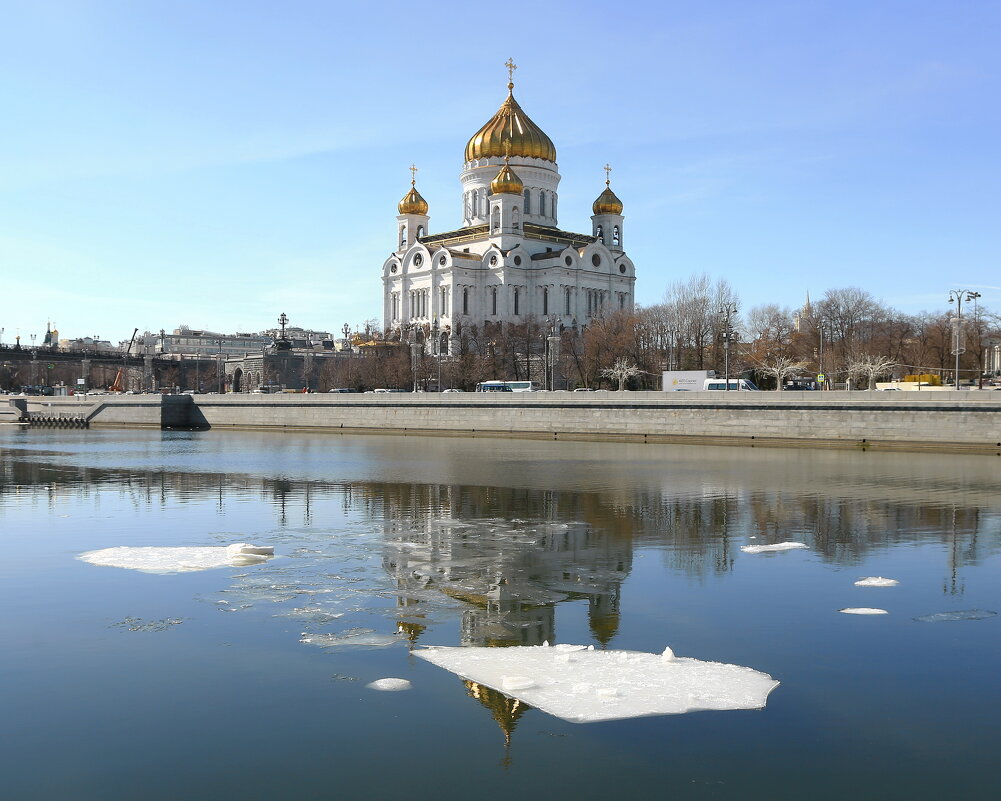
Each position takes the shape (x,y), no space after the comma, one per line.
(843,509)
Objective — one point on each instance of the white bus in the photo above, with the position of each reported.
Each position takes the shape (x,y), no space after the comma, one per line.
(508,386)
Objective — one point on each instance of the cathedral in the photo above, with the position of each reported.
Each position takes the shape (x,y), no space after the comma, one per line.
(510,261)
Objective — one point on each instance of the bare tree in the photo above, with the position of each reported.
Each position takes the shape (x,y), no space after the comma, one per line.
(780,368)
(621,371)
(869,367)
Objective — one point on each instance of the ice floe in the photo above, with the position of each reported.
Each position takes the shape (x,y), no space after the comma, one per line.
(581,685)
(862,610)
(365,638)
(961,614)
(389,685)
(876,581)
(778,546)
(179,560)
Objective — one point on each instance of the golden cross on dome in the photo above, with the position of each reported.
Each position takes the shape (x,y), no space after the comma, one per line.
(608,174)
(511,67)
(413,174)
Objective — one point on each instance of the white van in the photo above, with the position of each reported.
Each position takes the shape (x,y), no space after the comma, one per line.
(736,385)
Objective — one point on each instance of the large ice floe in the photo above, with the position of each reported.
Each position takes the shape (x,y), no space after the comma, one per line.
(778,546)
(876,581)
(179,560)
(581,685)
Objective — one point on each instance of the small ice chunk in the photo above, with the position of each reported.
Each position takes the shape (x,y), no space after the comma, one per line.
(173,560)
(876,581)
(862,610)
(389,685)
(668,655)
(601,685)
(778,546)
(238,548)
(961,614)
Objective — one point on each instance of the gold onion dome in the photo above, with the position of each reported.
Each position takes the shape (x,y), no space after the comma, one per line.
(607,202)
(507,181)
(510,133)
(412,202)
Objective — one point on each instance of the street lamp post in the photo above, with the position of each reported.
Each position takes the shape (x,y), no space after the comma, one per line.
(727,311)
(957,296)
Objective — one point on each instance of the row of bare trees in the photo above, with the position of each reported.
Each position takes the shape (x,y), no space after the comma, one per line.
(700,325)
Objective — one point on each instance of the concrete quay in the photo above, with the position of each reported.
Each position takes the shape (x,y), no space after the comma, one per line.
(936,421)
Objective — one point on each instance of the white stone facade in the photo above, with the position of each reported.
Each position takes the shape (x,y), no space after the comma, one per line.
(509,262)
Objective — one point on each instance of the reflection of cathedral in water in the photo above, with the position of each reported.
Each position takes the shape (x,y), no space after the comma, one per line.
(507,574)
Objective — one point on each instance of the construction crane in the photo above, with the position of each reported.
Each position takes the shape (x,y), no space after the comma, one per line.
(116,385)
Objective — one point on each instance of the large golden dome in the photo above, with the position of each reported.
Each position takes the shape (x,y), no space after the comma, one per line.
(510,133)
(412,202)
(507,181)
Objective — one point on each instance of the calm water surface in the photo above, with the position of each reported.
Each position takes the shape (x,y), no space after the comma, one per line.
(118,684)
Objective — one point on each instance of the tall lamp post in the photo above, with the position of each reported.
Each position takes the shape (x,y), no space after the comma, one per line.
(727,311)
(957,296)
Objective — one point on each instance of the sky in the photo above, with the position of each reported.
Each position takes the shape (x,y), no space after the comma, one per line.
(214,164)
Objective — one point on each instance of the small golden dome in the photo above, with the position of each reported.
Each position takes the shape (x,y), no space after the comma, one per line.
(507,181)
(510,132)
(412,202)
(607,202)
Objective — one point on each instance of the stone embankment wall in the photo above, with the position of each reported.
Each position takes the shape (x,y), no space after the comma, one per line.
(968,421)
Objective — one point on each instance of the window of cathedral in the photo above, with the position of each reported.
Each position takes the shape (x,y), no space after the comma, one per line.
(493,260)
(493,301)
(599,233)
(615,235)
(403,236)
(393,268)
(622,269)
(542,204)
(420,231)
(569,261)
(566,309)
(528,201)
(596,260)
(418,260)
(495,220)
(465,300)
(442,261)
(516,298)
(517,260)
(545,300)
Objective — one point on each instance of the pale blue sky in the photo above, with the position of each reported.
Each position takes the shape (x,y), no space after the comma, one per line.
(217,163)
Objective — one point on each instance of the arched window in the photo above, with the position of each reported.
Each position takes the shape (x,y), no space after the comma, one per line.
(444,301)
(566,309)
(420,231)
(403,236)
(474,205)
(516,298)
(515,218)
(599,233)
(493,300)
(465,300)
(528,202)
(615,235)
(542,204)
(545,300)
(495,220)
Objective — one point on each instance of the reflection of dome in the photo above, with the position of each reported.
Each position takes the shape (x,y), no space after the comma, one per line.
(505,709)
(412,630)
(510,133)
(604,627)
(507,182)
(607,202)
(413,203)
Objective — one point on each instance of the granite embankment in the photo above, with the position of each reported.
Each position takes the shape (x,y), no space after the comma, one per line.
(966,421)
